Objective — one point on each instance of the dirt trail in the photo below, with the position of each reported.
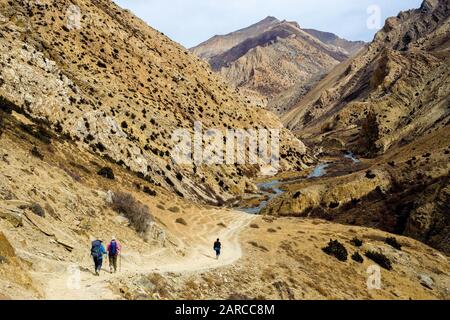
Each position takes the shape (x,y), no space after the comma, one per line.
(200,257)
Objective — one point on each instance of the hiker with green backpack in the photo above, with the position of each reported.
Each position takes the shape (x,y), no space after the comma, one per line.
(97,252)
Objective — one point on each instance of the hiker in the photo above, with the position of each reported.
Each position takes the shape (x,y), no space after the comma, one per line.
(217,248)
(113,249)
(97,252)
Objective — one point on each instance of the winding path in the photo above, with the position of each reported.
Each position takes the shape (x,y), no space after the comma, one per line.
(200,258)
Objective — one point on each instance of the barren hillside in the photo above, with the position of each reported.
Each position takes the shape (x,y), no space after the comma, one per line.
(272,56)
(53,203)
(398,87)
(98,74)
(389,107)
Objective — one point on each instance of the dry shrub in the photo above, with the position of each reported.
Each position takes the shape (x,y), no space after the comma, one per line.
(380,259)
(106,172)
(256,245)
(181,221)
(75,176)
(356,242)
(137,213)
(174,209)
(191,285)
(393,243)
(160,285)
(37,209)
(336,249)
(36,153)
(239,297)
(357,257)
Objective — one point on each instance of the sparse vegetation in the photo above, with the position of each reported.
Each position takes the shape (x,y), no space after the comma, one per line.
(137,213)
(336,249)
(380,259)
(37,210)
(149,191)
(159,285)
(370,175)
(238,296)
(254,226)
(181,221)
(357,257)
(75,176)
(106,172)
(356,242)
(39,132)
(174,209)
(393,243)
(256,245)
(36,153)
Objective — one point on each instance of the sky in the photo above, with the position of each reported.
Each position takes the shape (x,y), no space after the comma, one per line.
(190,22)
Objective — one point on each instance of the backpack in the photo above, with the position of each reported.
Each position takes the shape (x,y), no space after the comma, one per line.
(96,249)
(113,248)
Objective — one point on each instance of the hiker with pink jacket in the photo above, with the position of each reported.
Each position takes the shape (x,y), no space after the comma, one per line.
(113,249)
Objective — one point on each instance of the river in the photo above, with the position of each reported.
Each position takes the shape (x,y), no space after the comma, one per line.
(272,189)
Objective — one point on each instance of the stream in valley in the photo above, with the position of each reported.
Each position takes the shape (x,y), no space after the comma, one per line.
(272,189)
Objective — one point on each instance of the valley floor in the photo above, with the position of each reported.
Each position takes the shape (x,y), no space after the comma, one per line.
(199,256)
(44,252)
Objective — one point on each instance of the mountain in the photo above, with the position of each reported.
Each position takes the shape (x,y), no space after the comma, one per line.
(400,80)
(351,47)
(99,76)
(220,44)
(271,56)
(389,105)
(90,97)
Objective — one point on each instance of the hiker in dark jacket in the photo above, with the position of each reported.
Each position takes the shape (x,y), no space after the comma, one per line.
(217,247)
(97,252)
(113,249)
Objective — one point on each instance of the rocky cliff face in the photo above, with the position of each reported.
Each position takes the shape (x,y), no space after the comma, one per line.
(97,74)
(399,85)
(389,105)
(272,56)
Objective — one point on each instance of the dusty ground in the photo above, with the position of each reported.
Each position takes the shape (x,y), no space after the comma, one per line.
(283,260)
(39,252)
(263,257)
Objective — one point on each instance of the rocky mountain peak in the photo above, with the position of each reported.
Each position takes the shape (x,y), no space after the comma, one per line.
(271,56)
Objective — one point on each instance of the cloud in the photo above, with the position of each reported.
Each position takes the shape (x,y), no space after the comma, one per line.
(190,22)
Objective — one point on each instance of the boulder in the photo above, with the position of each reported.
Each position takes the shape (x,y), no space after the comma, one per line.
(6,249)
(426,281)
(13,214)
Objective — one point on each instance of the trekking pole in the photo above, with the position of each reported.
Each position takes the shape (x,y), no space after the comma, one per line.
(120,262)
